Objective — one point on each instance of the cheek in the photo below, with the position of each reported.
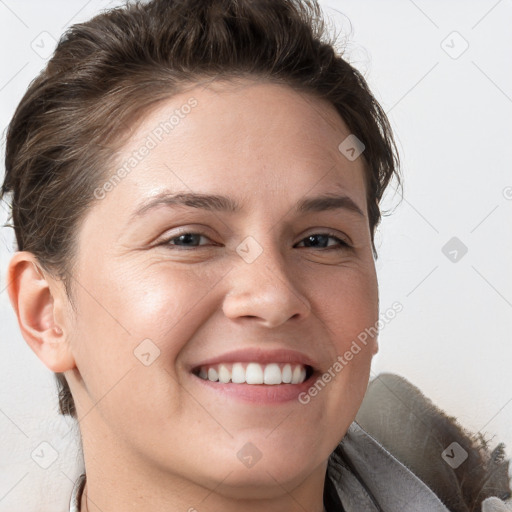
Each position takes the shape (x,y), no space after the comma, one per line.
(145,316)
(348,305)
(170,305)
(144,301)
(130,330)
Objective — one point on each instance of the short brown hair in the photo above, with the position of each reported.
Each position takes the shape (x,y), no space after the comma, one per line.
(106,72)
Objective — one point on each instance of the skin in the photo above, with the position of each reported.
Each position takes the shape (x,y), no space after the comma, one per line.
(153,438)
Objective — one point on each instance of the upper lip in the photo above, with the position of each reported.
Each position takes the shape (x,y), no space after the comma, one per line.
(258,355)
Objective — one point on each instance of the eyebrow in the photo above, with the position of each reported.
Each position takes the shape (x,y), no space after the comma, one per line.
(219,203)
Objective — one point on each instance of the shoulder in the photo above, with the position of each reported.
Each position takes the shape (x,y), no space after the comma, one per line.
(366,476)
(456,464)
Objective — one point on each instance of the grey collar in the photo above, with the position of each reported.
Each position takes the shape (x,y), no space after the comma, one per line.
(362,475)
(366,477)
(76,494)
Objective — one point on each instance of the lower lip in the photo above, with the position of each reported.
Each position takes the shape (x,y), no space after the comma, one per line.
(259,393)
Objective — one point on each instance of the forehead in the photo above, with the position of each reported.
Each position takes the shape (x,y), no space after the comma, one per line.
(258,142)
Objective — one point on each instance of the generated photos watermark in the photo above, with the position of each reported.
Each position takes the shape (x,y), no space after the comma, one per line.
(150,142)
(342,360)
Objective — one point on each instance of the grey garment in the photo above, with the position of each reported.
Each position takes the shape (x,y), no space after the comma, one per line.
(367,478)
(423,437)
(362,476)
(76,495)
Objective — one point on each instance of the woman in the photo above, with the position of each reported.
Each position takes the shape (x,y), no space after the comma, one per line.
(195,191)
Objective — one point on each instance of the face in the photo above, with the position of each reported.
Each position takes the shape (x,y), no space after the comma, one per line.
(265,275)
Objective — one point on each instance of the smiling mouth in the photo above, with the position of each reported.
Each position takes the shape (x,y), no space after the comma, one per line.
(255,373)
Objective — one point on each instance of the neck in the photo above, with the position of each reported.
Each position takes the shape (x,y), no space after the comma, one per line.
(90,503)
(116,481)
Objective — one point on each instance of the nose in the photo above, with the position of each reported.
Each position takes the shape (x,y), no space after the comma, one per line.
(264,290)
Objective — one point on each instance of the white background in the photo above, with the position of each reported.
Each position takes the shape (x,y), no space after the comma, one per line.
(452,120)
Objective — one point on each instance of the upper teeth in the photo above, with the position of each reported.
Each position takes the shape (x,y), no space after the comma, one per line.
(254,373)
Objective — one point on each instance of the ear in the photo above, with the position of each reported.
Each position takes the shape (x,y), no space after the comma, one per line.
(38,302)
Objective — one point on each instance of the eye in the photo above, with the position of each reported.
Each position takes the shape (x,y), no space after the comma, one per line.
(188,239)
(318,240)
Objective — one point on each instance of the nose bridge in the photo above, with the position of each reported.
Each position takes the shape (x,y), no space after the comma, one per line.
(261,285)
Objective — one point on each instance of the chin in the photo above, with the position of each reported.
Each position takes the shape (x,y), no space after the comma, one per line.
(265,479)
(268,469)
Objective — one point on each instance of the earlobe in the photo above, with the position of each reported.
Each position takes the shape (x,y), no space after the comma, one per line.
(37,310)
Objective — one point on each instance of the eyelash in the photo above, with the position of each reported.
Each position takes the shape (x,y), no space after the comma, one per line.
(342,243)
